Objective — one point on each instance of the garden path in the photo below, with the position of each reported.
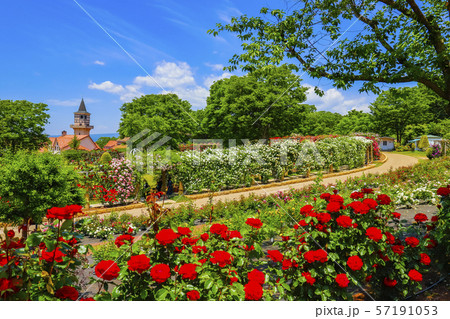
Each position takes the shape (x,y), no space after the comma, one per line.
(394,161)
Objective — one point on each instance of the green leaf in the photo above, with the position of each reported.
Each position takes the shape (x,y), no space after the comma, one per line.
(208,284)
(161,294)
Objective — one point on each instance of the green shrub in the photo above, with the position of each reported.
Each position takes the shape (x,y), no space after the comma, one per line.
(423,143)
(73,155)
(429,153)
(31,183)
(106,158)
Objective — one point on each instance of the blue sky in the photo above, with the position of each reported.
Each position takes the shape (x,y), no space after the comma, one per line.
(53,52)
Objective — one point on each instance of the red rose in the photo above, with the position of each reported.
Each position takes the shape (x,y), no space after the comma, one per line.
(431,243)
(389,282)
(275,255)
(368,278)
(398,249)
(218,229)
(359,208)
(189,241)
(310,280)
(356,195)
(389,238)
(396,215)
(87,299)
(188,271)
(193,295)
(434,219)
(67,292)
(184,231)
(420,218)
(221,257)
(383,199)
(139,263)
(160,273)
(425,259)
(285,238)
(321,255)
(231,234)
(107,270)
(233,280)
(325,196)
(199,249)
(254,222)
(412,241)
(336,199)
(415,275)
(323,218)
(354,263)
(443,191)
(122,239)
(333,207)
(11,233)
(342,280)
(166,236)
(253,291)
(370,202)
(374,233)
(307,209)
(247,248)
(63,212)
(344,221)
(54,255)
(256,276)
(367,190)
(204,237)
(5,284)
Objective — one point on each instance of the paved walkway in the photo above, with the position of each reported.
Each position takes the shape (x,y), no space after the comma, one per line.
(394,161)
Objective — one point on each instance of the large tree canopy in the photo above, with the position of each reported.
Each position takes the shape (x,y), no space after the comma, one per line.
(160,113)
(389,41)
(395,109)
(22,125)
(257,105)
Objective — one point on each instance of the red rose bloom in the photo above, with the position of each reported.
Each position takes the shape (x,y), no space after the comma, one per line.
(10,233)
(383,199)
(374,233)
(189,241)
(344,221)
(325,196)
(389,238)
(443,191)
(184,231)
(356,195)
(398,249)
(166,236)
(122,239)
(107,270)
(247,248)
(275,255)
(6,284)
(371,203)
(199,249)
(310,280)
(342,280)
(193,295)
(396,215)
(233,280)
(336,199)
(160,273)
(434,219)
(359,208)
(63,212)
(323,218)
(204,237)
(50,256)
(420,218)
(67,292)
(253,291)
(256,276)
(412,241)
(415,275)
(221,257)
(316,255)
(354,263)
(254,222)
(306,210)
(425,259)
(367,190)
(389,282)
(333,207)
(188,271)
(139,263)
(87,299)
(218,229)
(231,234)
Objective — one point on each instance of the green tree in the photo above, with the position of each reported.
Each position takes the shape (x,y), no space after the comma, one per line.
(22,125)
(163,113)
(319,123)
(395,109)
(390,42)
(423,143)
(74,143)
(257,105)
(102,141)
(31,183)
(355,121)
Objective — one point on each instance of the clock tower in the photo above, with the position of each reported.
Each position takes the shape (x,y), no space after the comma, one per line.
(82,121)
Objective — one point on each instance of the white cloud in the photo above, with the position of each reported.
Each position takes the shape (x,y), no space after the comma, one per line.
(168,75)
(334,101)
(107,86)
(213,78)
(98,62)
(215,67)
(67,103)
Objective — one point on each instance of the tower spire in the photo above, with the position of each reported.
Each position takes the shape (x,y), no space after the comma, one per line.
(82,107)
